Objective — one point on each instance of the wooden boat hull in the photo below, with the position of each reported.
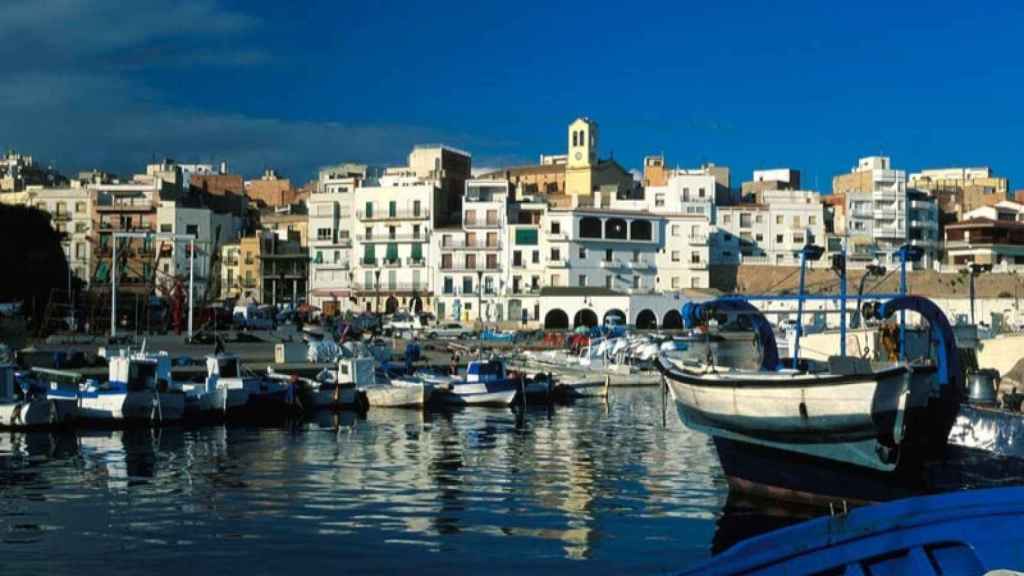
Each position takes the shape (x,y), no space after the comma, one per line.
(484,398)
(405,396)
(855,419)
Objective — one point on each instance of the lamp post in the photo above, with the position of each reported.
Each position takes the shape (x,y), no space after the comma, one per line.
(871,270)
(906,253)
(973,270)
(376,289)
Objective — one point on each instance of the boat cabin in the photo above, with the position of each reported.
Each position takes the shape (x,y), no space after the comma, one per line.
(135,373)
(485,371)
(223,366)
(356,371)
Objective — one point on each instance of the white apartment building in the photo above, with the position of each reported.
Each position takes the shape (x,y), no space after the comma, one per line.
(881,215)
(690,192)
(472,261)
(331,220)
(685,256)
(392,228)
(71,212)
(770,233)
(230,272)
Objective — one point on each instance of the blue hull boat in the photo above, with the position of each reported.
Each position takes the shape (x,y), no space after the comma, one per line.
(969,532)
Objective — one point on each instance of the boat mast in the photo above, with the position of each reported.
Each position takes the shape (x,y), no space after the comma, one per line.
(800,308)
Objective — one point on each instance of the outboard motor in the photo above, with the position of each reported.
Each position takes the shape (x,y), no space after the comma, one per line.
(981,387)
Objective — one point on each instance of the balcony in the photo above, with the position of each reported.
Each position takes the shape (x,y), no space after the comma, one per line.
(368,261)
(478,244)
(609,264)
(885,214)
(562,263)
(384,238)
(385,215)
(392,262)
(703,264)
(887,232)
(385,287)
(639,265)
(486,223)
(452,267)
(558,237)
(698,239)
(62,217)
(622,240)
(416,262)
(929,224)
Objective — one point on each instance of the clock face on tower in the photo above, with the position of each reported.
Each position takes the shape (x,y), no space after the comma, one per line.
(579,155)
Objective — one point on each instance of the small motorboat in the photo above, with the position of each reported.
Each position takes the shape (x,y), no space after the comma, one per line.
(486,384)
(20,408)
(247,392)
(333,389)
(963,532)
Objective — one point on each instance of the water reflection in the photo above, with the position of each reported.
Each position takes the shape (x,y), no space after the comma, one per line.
(586,487)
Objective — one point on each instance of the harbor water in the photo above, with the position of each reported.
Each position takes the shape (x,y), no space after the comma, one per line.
(583,488)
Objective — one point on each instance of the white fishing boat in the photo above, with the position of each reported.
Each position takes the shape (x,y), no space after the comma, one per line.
(20,409)
(333,389)
(130,394)
(602,357)
(247,392)
(171,394)
(486,384)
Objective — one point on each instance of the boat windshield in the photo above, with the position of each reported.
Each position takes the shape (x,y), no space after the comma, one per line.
(141,376)
(229,369)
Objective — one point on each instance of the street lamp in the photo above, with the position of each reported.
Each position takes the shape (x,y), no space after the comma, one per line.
(479,297)
(871,270)
(973,270)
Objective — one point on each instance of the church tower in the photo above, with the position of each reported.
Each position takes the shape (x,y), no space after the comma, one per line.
(582,157)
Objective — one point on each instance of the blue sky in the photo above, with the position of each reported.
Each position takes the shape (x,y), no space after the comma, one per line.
(809,85)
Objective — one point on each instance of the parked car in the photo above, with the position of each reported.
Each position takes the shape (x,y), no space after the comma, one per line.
(449,330)
(399,323)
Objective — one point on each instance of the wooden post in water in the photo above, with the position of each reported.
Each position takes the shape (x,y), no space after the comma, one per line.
(664,389)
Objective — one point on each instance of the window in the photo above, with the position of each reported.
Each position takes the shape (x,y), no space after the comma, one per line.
(391,232)
(695,257)
(745,220)
(526,237)
(535,282)
(416,206)
(675,230)
(812,220)
(726,219)
(470,239)
(554,280)
(779,239)
(489,285)
(536,257)
(492,217)
(700,193)
(556,254)
(675,282)
(798,238)
(80,207)
(492,261)
(369,233)
(166,228)
(471,261)
(556,227)
(759,218)
(369,209)
(608,255)
(470,217)
(446,261)
(492,239)
(583,280)
(392,255)
(416,231)
(675,256)
(517,258)
(583,253)
(81,227)
(417,252)
(659,200)
(796,221)
(778,219)
(446,240)
(759,237)
(392,209)
(80,250)
(369,257)
(467,284)
(323,233)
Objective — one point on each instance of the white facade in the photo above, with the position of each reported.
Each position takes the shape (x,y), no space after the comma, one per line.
(472,261)
(689,192)
(331,221)
(1007,210)
(879,220)
(770,233)
(392,228)
(70,212)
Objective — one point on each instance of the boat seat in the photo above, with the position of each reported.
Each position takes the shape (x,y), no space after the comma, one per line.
(849,365)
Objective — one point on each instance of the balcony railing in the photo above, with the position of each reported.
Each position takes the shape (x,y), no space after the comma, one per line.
(453,267)
(561,263)
(698,239)
(368,261)
(416,262)
(486,223)
(408,214)
(409,237)
(384,287)
(478,244)
(392,262)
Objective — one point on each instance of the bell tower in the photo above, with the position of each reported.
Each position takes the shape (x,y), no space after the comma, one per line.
(582,143)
